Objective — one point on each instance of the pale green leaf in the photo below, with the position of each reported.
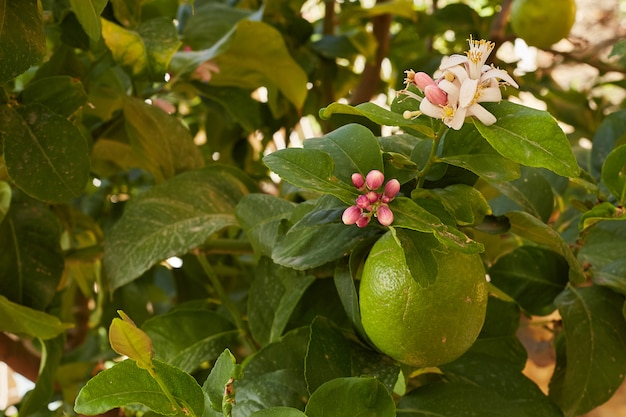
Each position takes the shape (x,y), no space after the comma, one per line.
(88,14)
(129,340)
(25,321)
(5,199)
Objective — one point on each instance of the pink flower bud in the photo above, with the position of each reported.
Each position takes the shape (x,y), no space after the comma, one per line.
(358,181)
(363,221)
(363,202)
(384,215)
(422,80)
(351,215)
(374,179)
(392,188)
(372,197)
(436,95)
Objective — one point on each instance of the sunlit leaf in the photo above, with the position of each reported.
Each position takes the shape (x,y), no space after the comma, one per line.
(129,340)
(25,321)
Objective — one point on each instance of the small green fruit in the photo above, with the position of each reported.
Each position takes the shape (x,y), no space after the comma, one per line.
(542,23)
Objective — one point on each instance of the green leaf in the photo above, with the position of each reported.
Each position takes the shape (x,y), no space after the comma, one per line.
(614,173)
(170,219)
(349,397)
(257,56)
(532,276)
(274,376)
(467,149)
(146,52)
(160,143)
(46,155)
(279,412)
(129,340)
(604,244)
(612,275)
(531,193)
(274,294)
(598,213)
(376,114)
(466,204)
(31,260)
(530,137)
(223,372)
(25,321)
(344,283)
(37,400)
(22,40)
(211,22)
(88,14)
(595,341)
(610,134)
(310,169)
(260,216)
(409,215)
(61,94)
(186,337)
(533,229)
(418,255)
(5,199)
(352,147)
(125,384)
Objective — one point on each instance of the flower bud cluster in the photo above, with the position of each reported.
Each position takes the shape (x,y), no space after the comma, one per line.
(371,202)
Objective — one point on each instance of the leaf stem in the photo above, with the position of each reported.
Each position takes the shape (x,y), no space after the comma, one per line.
(432,157)
(209,271)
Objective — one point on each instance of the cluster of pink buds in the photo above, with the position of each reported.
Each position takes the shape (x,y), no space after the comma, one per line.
(371,202)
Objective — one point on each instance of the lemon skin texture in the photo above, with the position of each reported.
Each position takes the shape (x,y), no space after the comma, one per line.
(422,326)
(542,23)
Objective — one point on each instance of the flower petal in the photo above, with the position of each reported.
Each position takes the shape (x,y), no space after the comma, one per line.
(468,92)
(457,120)
(499,74)
(482,114)
(452,60)
(430,109)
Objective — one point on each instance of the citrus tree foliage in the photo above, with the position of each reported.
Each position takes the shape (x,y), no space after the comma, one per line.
(135,131)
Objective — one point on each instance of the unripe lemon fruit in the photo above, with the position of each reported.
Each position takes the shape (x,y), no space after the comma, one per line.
(542,23)
(422,326)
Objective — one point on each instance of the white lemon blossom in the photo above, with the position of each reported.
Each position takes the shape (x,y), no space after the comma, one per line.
(467,81)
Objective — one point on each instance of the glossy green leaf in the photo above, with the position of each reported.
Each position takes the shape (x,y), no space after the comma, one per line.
(125,384)
(171,219)
(351,397)
(595,343)
(600,212)
(257,56)
(88,14)
(22,40)
(5,199)
(531,192)
(160,143)
(466,204)
(466,148)
(129,340)
(610,134)
(46,155)
(346,289)
(533,229)
(352,147)
(532,276)
(31,260)
(279,412)
(274,294)
(530,137)
(223,372)
(211,22)
(61,94)
(604,244)
(25,321)
(310,169)
(146,52)
(418,255)
(614,173)
(274,376)
(260,216)
(186,338)
(409,215)
(612,275)
(37,400)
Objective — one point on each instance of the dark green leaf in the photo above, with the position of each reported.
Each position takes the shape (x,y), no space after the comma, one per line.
(310,169)
(210,22)
(604,244)
(418,255)
(532,276)
(278,412)
(351,397)
(46,155)
(260,216)
(352,147)
(348,295)
(595,339)
(614,173)
(170,219)
(160,143)
(22,40)
(125,384)
(531,193)
(610,134)
(31,260)
(466,204)
(25,321)
(530,137)
(224,371)
(274,294)
(61,94)
(88,14)
(533,229)
(612,275)
(467,149)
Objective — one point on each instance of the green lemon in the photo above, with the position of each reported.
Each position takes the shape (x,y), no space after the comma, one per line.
(422,326)
(542,23)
